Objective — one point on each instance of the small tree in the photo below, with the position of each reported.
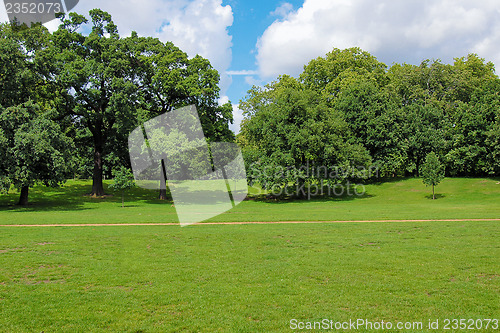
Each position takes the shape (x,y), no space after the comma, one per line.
(432,171)
(123,180)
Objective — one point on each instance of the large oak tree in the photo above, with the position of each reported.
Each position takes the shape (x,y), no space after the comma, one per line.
(109,84)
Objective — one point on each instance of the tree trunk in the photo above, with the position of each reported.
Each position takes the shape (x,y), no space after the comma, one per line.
(123,199)
(433,196)
(163,183)
(163,194)
(23,198)
(97,187)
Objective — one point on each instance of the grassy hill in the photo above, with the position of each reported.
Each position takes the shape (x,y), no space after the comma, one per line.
(458,198)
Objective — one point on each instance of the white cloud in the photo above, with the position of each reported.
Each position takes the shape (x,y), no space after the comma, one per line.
(3,14)
(393,30)
(283,10)
(238,117)
(195,26)
(200,28)
(252,81)
(223,100)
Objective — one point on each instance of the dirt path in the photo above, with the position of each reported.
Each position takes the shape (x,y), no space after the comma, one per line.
(229,223)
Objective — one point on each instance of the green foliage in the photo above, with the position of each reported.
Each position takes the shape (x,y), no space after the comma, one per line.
(34,150)
(327,74)
(398,115)
(472,149)
(41,154)
(94,75)
(109,85)
(123,180)
(4,150)
(288,134)
(493,143)
(19,71)
(432,171)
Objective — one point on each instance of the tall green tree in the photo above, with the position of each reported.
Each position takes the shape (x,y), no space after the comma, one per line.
(167,79)
(288,134)
(354,83)
(93,73)
(109,85)
(374,119)
(432,171)
(34,149)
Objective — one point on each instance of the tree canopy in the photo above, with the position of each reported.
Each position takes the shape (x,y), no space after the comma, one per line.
(109,85)
(94,86)
(349,109)
(34,150)
(344,114)
(290,136)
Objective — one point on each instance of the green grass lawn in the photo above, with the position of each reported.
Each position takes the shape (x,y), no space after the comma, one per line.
(245,278)
(458,198)
(249,278)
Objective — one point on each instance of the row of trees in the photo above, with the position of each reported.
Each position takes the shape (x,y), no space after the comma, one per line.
(348,111)
(69,99)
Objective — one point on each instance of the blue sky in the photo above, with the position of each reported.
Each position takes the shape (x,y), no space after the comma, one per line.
(252,42)
(251,19)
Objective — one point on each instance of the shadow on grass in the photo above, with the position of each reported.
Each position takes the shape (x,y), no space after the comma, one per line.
(73,197)
(496,179)
(437,196)
(137,195)
(334,194)
(129,206)
(281,200)
(151,196)
(64,198)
